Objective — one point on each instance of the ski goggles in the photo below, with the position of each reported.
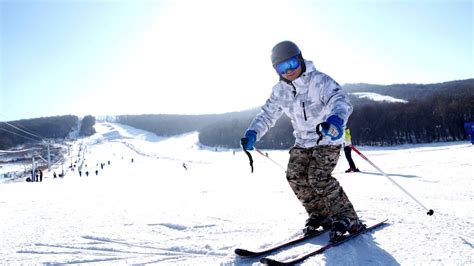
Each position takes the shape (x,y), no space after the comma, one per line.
(289,64)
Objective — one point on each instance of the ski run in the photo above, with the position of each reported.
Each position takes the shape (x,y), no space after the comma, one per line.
(170,201)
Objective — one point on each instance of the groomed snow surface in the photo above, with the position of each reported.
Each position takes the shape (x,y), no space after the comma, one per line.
(378,97)
(154,211)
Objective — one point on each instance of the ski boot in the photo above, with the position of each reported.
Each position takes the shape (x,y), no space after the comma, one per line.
(314,222)
(342,225)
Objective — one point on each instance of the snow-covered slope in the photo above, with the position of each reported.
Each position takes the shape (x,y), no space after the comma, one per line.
(152,210)
(378,97)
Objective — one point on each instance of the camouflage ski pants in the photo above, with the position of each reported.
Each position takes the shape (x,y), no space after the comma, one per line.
(309,175)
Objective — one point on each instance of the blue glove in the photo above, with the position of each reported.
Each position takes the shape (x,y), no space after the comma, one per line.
(249,139)
(333,127)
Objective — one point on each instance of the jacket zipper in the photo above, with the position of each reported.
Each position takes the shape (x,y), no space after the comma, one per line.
(302,103)
(304,112)
(294,89)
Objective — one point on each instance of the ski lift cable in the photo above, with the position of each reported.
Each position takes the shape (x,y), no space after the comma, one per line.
(19,151)
(18,125)
(41,157)
(15,133)
(23,129)
(26,129)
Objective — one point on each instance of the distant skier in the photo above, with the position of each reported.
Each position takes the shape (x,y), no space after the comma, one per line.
(348,150)
(313,101)
(469,129)
(184,165)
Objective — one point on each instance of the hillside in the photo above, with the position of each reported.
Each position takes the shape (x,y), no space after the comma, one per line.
(383,115)
(410,92)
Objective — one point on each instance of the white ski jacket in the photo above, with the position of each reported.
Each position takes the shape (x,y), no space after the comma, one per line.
(308,101)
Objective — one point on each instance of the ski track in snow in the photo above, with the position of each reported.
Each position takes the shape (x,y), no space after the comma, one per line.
(153,211)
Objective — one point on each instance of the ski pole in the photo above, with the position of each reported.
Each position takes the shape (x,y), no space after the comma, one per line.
(248,154)
(430,211)
(266,156)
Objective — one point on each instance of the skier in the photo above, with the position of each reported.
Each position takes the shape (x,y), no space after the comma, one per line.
(312,100)
(348,150)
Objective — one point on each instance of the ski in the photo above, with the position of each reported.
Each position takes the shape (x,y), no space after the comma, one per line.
(249,253)
(269,261)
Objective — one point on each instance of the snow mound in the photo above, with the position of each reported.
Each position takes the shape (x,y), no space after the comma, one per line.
(378,97)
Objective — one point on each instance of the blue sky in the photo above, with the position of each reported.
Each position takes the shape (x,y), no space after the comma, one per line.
(193,57)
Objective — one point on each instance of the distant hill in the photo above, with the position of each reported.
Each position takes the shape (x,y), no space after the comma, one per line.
(169,125)
(410,92)
(27,131)
(431,113)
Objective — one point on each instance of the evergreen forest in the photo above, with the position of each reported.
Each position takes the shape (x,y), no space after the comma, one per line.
(428,113)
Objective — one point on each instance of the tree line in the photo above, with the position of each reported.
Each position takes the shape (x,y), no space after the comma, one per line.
(87,126)
(14,133)
(433,112)
(170,125)
(433,119)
